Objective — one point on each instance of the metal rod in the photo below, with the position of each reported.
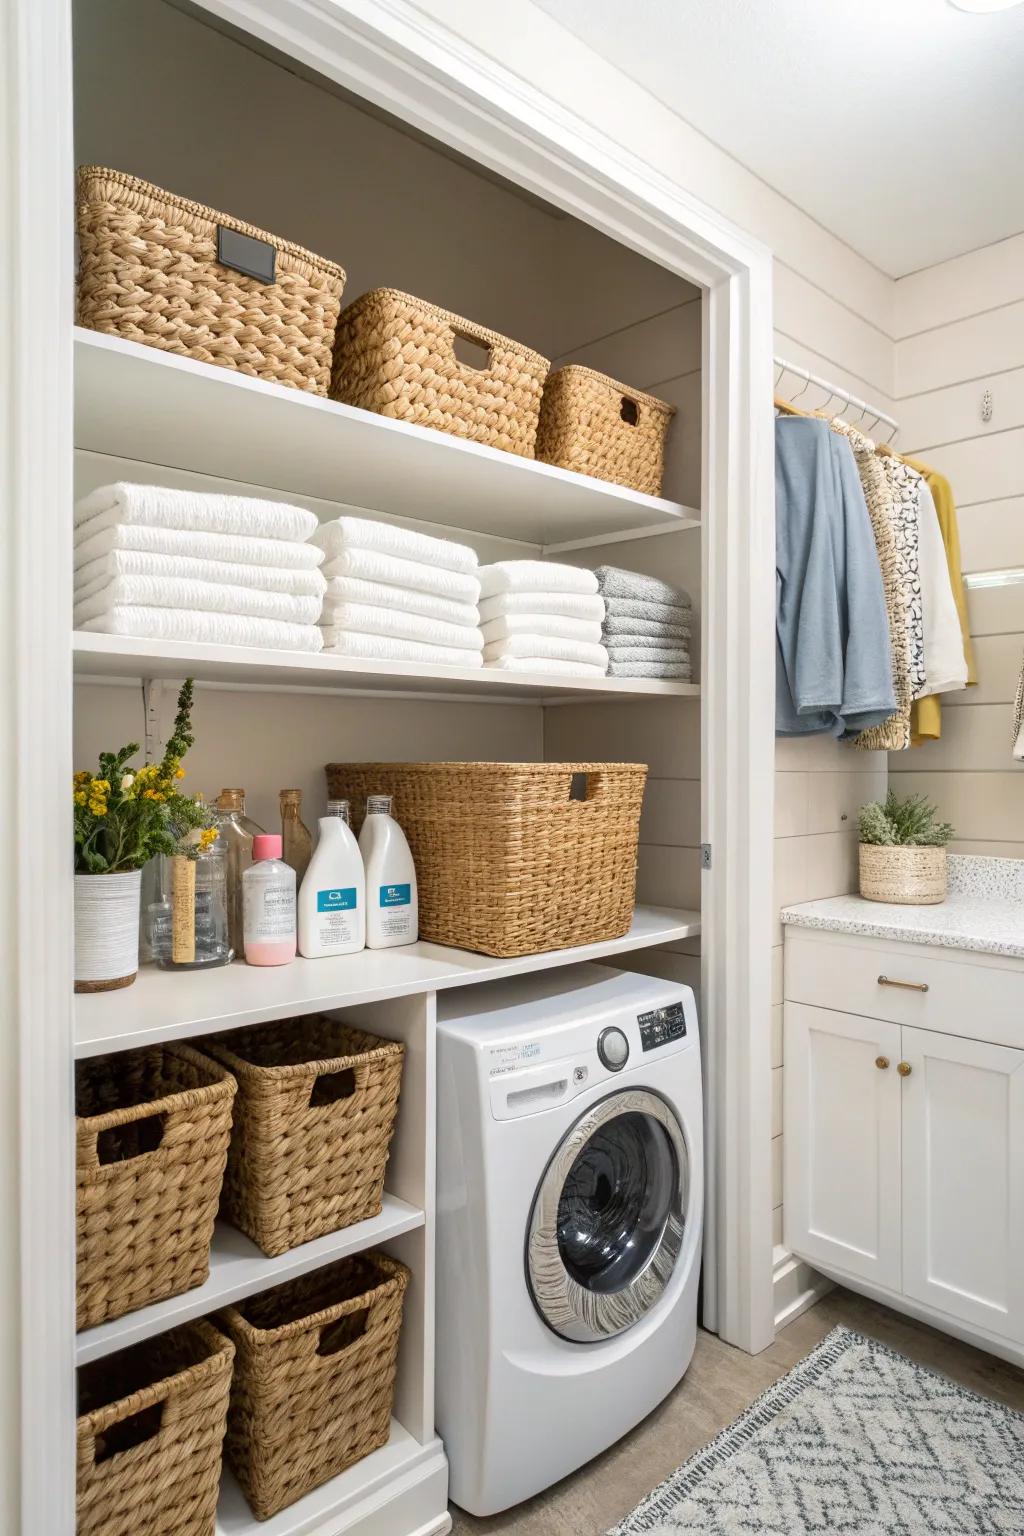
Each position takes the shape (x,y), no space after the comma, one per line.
(836,393)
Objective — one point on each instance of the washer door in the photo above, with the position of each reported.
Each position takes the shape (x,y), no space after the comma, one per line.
(607,1222)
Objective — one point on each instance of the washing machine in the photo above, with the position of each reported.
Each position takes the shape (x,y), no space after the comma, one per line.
(570,1200)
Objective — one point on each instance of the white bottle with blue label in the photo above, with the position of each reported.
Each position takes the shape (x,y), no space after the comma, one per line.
(332,898)
(392,904)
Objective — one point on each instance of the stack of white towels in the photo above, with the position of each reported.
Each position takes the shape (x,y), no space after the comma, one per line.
(163,564)
(396,595)
(646,625)
(536,616)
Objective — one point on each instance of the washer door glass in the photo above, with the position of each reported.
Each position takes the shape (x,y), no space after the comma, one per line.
(607,1222)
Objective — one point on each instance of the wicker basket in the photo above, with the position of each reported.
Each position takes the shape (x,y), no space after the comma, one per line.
(314,1377)
(512,858)
(152,1130)
(315,1111)
(149,270)
(912,877)
(598,427)
(395,355)
(150,1435)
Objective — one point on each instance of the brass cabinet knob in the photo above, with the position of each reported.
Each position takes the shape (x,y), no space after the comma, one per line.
(904,1069)
(882,1063)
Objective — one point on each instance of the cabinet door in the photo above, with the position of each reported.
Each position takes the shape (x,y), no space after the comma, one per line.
(841,1196)
(963,1179)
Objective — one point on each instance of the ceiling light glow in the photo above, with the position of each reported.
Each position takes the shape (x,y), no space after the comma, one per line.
(983,7)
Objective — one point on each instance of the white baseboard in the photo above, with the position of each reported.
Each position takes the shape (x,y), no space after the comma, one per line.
(796,1286)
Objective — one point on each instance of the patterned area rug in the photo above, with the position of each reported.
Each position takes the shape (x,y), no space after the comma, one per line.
(855,1440)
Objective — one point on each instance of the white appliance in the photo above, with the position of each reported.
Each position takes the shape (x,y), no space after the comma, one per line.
(570,1200)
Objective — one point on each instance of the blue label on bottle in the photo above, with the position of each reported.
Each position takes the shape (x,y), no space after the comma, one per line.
(336,900)
(395,895)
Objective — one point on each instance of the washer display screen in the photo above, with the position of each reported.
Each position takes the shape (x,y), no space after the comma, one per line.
(661,1025)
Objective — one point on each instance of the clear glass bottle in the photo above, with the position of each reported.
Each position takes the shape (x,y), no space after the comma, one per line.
(237,831)
(296,840)
(212,942)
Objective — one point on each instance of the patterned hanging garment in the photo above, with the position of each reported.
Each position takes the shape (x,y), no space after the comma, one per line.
(904,486)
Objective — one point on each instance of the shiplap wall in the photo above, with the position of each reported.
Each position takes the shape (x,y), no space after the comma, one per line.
(961,332)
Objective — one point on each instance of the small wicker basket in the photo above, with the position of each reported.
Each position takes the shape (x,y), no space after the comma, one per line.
(152,1129)
(314,1377)
(512,858)
(905,875)
(596,426)
(150,1436)
(150,270)
(316,1107)
(395,354)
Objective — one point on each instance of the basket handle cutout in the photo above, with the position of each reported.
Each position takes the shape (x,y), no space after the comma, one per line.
(336,1336)
(471,353)
(332,1087)
(120,1143)
(579,785)
(629,411)
(127,1433)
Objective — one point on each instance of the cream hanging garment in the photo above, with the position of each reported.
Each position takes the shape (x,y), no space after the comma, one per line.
(1018,719)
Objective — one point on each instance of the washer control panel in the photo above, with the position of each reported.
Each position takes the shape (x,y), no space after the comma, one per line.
(612,1049)
(661,1026)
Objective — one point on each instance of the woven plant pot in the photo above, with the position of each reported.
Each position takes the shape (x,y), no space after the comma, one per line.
(596,426)
(150,1436)
(395,354)
(152,1135)
(107,930)
(313,1119)
(314,1377)
(908,876)
(512,858)
(149,270)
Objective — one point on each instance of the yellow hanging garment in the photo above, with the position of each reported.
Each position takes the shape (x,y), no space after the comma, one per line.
(926,714)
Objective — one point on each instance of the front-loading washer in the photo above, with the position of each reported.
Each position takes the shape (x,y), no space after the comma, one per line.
(570,1201)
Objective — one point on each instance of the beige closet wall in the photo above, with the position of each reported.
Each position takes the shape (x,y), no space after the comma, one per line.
(961,332)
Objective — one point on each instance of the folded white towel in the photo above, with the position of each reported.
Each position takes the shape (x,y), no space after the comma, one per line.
(567,605)
(362,619)
(135,562)
(541,624)
(548,646)
(545,665)
(200,596)
(350,589)
(371,565)
(345,642)
(180,624)
(192,544)
(534,576)
(345,533)
(161,507)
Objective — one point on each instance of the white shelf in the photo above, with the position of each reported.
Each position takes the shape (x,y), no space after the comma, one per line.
(238,1269)
(109,656)
(137,402)
(169,1005)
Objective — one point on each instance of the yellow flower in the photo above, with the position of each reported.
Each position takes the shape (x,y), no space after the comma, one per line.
(207,838)
(179,773)
(102,784)
(82,777)
(79,796)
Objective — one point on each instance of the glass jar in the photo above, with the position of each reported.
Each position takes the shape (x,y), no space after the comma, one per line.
(199,936)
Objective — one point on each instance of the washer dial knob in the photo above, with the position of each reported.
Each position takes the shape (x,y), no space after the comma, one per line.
(612,1049)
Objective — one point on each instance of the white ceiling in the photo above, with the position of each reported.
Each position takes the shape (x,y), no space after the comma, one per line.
(897,124)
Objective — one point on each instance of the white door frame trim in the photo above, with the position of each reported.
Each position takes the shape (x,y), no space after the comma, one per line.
(396,56)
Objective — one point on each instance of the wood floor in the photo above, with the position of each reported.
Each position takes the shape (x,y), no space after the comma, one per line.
(720,1383)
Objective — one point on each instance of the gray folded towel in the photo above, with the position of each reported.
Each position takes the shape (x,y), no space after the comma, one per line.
(616,626)
(612,581)
(680,670)
(638,608)
(658,652)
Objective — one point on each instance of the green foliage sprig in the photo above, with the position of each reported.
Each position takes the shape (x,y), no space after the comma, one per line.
(911,822)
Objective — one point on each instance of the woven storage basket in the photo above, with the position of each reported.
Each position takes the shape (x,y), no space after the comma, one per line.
(395,355)
(152,1132)
(149,271)
(150,1435)
(508,862)
(598,427)
(314,1377)
(313,1119)
(912,877)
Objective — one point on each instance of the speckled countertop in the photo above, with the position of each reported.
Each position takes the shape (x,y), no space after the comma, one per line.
(984,911)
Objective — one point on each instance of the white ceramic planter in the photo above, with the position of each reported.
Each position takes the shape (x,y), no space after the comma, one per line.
(106,930)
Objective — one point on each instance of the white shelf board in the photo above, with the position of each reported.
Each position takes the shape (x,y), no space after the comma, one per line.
(137,402)
(170,1005)
(368,1480)
(238,1269)
(116,656)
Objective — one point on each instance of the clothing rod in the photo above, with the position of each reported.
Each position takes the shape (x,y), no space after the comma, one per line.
(1009,578)
(835,393)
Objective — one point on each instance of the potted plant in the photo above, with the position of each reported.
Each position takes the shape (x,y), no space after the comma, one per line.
(903,851)
(123,818)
